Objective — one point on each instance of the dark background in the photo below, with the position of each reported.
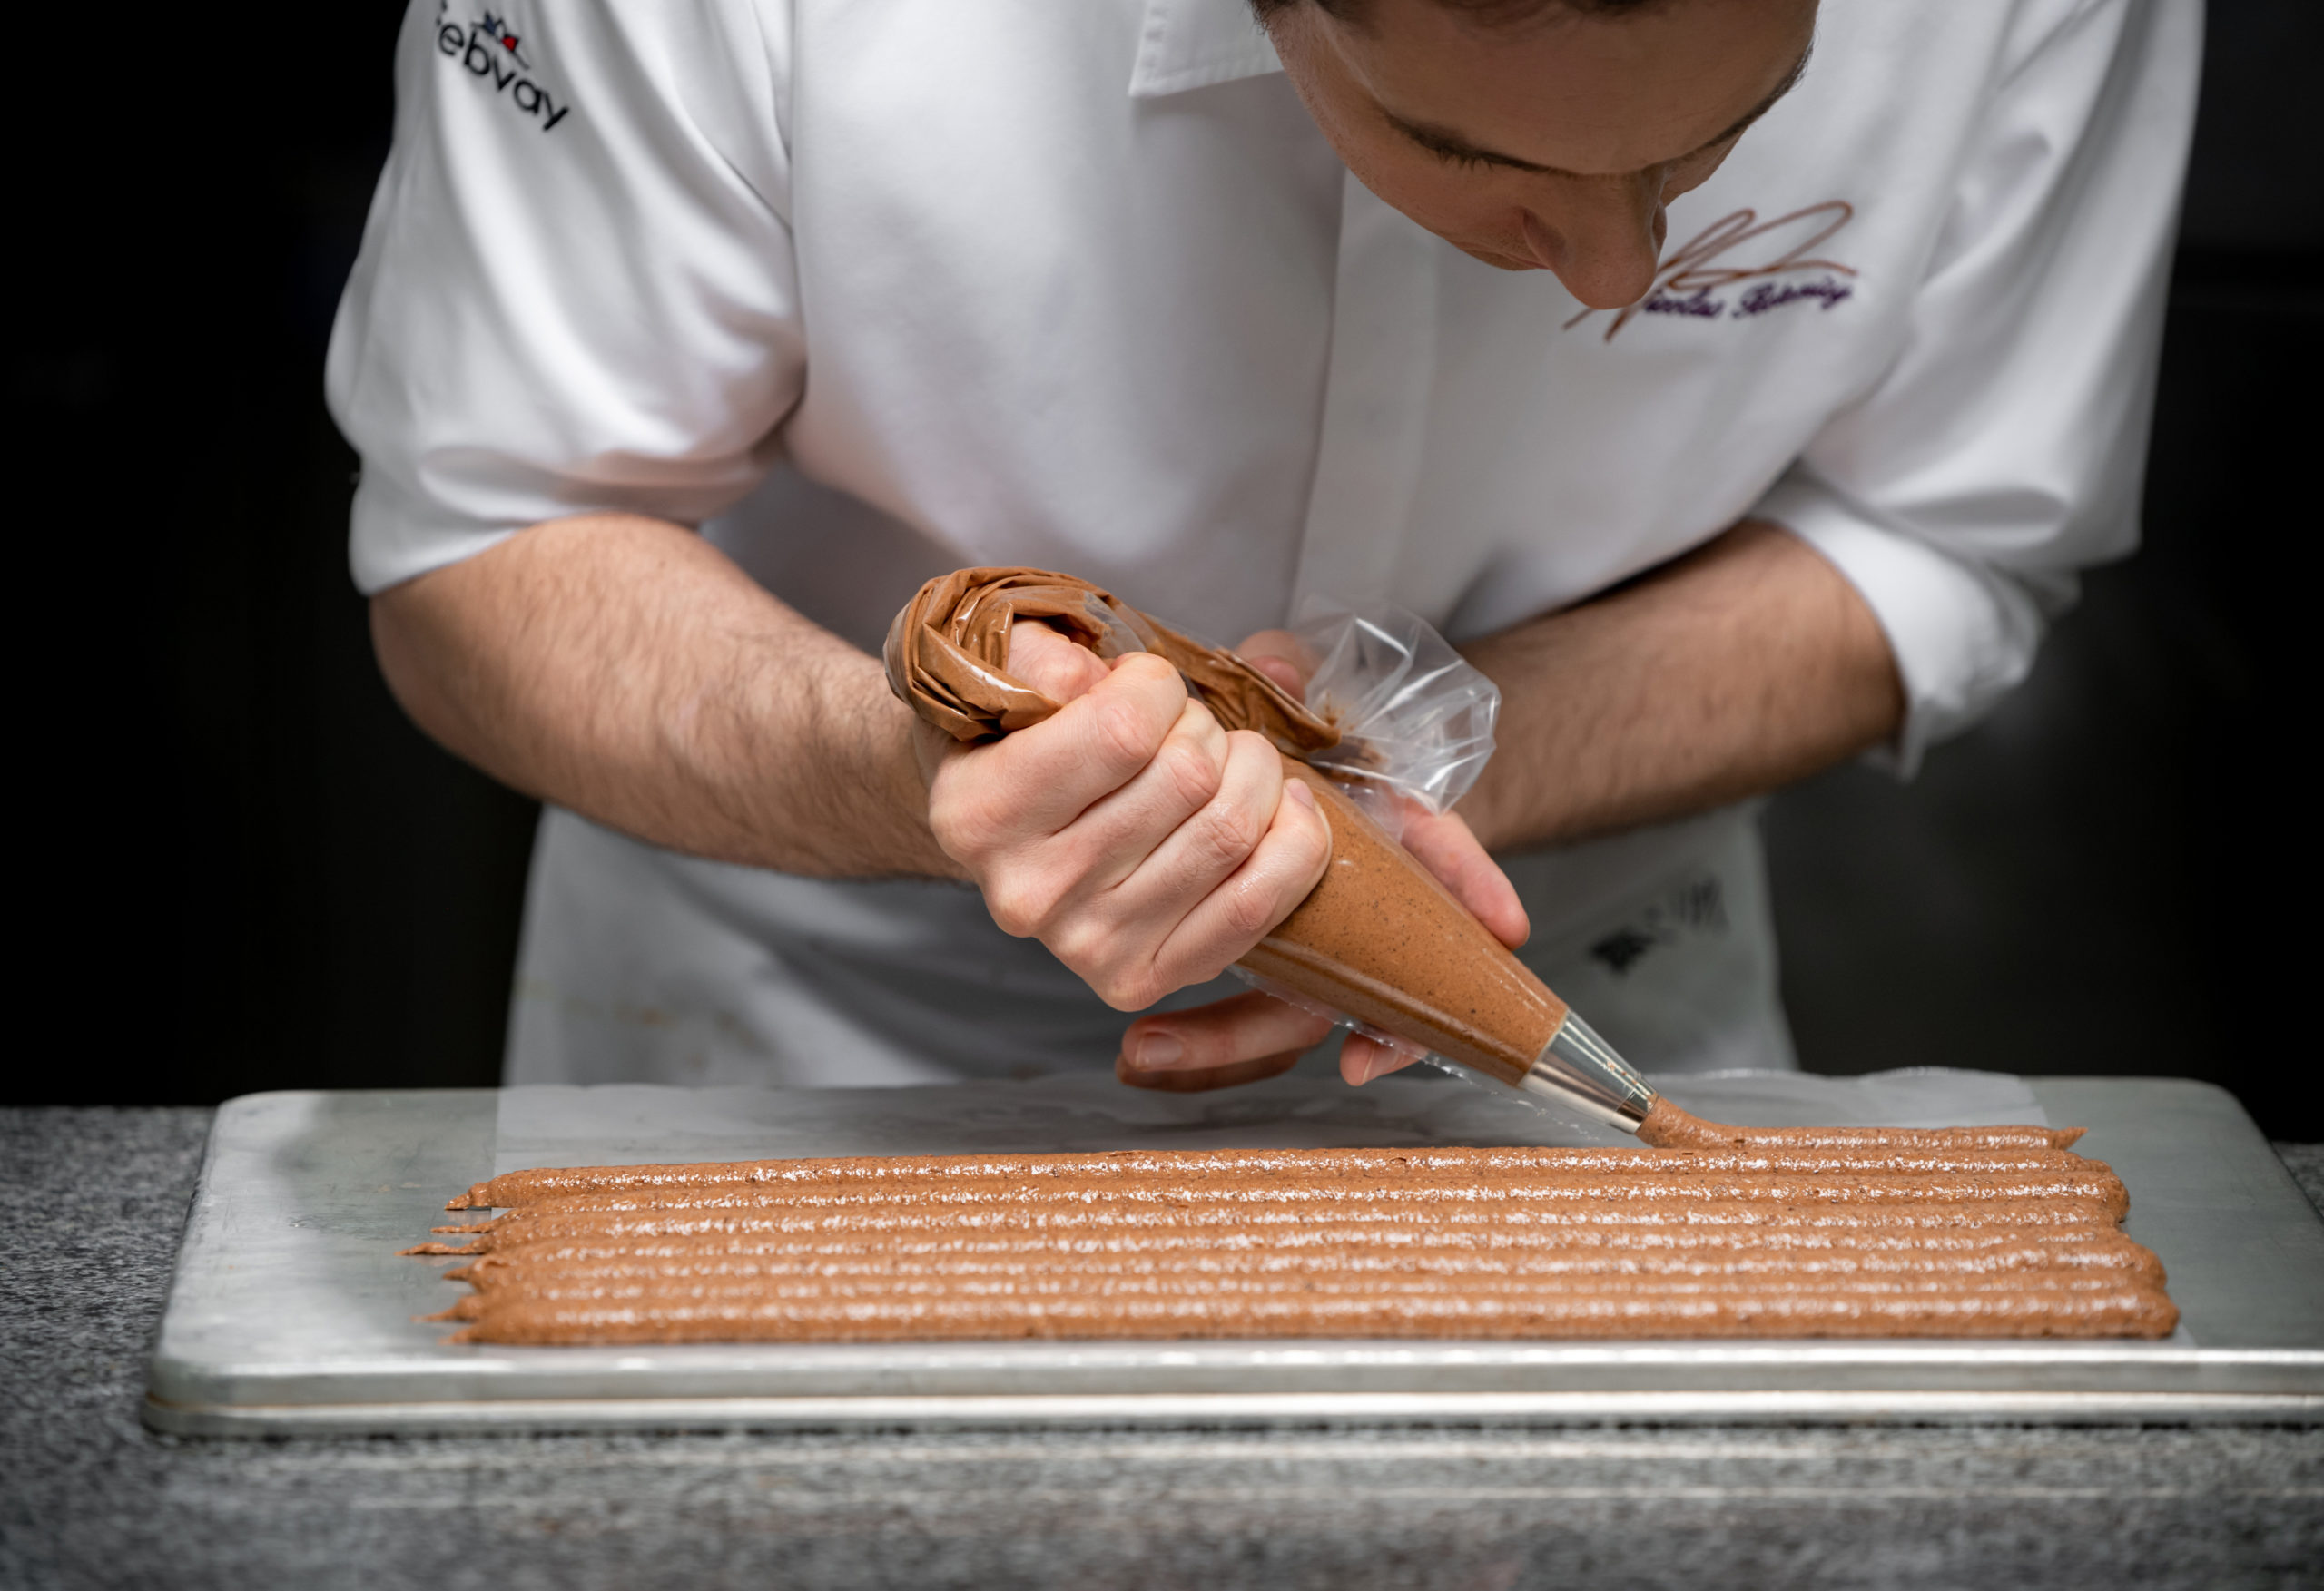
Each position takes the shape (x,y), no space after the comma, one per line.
(239,867)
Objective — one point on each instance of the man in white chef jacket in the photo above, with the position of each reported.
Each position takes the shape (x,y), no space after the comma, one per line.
(1738,406)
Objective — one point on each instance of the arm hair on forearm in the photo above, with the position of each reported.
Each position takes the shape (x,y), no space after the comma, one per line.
(624,668)
(1746,664)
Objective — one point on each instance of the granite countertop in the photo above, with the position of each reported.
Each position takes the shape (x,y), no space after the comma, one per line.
(96,1199)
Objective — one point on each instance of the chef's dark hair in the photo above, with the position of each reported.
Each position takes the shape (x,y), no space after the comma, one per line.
(1487,12)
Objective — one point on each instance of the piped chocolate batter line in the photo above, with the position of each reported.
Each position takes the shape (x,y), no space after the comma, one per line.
(549,1224)
(1317,1269)
(1357,1247)
(1676,1185)
(1916,1239)
(1812,1150)
(1786,1309)
(1669,1127)
(1365,1243)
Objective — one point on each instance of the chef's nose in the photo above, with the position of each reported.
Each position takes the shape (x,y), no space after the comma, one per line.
(1603,242)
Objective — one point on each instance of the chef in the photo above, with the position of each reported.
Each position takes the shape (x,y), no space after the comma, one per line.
(1739,383)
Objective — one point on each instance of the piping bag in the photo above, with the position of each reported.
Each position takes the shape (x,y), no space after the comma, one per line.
(1378,946)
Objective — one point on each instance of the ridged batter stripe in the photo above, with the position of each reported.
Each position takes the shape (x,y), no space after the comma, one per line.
(1061,1184)
(1038,1292)
(2093,1246)
(1782,1311)
(550,1226)
(1670,1127)
(1323,1264)
(1085,1232)
(2097,1186)
(1792,1149)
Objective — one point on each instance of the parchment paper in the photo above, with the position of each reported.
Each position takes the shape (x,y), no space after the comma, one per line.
(638,1124)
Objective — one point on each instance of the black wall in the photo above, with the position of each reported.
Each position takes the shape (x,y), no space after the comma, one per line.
(240,869)
(255,873)
(2112,874)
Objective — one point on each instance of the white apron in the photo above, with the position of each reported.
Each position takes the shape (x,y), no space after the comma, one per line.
(641,966)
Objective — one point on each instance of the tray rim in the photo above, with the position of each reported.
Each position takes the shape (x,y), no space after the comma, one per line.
(2250,1385)
(1262,1409)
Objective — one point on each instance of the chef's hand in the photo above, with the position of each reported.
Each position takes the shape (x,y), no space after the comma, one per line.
(1255,1035)
(1146,846)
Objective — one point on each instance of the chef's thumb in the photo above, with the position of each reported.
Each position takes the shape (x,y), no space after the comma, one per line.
(1044,659)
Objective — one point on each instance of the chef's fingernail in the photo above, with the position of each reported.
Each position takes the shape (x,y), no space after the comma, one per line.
(1298,792)
(1155,1051)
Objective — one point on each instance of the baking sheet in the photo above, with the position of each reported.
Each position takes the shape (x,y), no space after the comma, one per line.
(290,1311)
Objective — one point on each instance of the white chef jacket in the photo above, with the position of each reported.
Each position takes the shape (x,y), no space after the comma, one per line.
(869,289)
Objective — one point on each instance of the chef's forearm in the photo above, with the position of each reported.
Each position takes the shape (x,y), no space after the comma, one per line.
(1738,669)
(622,667)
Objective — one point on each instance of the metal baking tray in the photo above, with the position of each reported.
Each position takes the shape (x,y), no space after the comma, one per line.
(291,1312)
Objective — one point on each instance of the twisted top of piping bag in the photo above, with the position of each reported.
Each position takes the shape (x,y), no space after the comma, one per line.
(948,652)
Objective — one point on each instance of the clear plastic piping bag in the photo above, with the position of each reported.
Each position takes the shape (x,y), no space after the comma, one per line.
(1416,718)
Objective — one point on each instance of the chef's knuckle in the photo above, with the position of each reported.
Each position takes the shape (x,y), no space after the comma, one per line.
(1193,774)
(1129,988)
(1191,966)
(950,838)
(1227,831)
(1248,912)
(970,824)
(1079,945)
(1021,902)
(1123,734)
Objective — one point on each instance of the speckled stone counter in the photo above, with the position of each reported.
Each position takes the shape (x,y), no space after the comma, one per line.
(95,1200)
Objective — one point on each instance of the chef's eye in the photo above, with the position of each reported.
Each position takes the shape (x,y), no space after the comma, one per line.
(1448,152)
(1465,159)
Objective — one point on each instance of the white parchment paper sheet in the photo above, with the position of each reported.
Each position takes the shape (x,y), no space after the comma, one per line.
(637,1124)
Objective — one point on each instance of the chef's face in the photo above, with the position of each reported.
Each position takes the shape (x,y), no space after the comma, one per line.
(1550,146)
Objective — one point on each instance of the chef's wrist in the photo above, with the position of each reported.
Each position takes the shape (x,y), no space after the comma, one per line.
(909,762)
(866,799)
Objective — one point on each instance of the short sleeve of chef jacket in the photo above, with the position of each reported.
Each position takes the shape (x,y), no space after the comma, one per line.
(2004,447)
(577,289)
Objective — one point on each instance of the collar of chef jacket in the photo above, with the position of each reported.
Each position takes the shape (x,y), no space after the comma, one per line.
(1194,43)
(1383,342)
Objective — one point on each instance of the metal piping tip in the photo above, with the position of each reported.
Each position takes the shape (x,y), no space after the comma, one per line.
(1582,1072)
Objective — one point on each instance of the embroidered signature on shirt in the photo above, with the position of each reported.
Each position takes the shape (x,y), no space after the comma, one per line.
(1693,282)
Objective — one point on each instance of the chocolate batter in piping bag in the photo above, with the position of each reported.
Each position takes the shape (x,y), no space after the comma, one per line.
(1379,940)
(948,658)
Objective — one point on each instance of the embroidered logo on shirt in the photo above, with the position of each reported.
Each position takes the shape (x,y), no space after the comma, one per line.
(1698,906)
(1699,280)
(490,49)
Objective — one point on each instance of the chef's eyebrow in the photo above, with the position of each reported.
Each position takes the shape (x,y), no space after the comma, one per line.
(1443,141)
